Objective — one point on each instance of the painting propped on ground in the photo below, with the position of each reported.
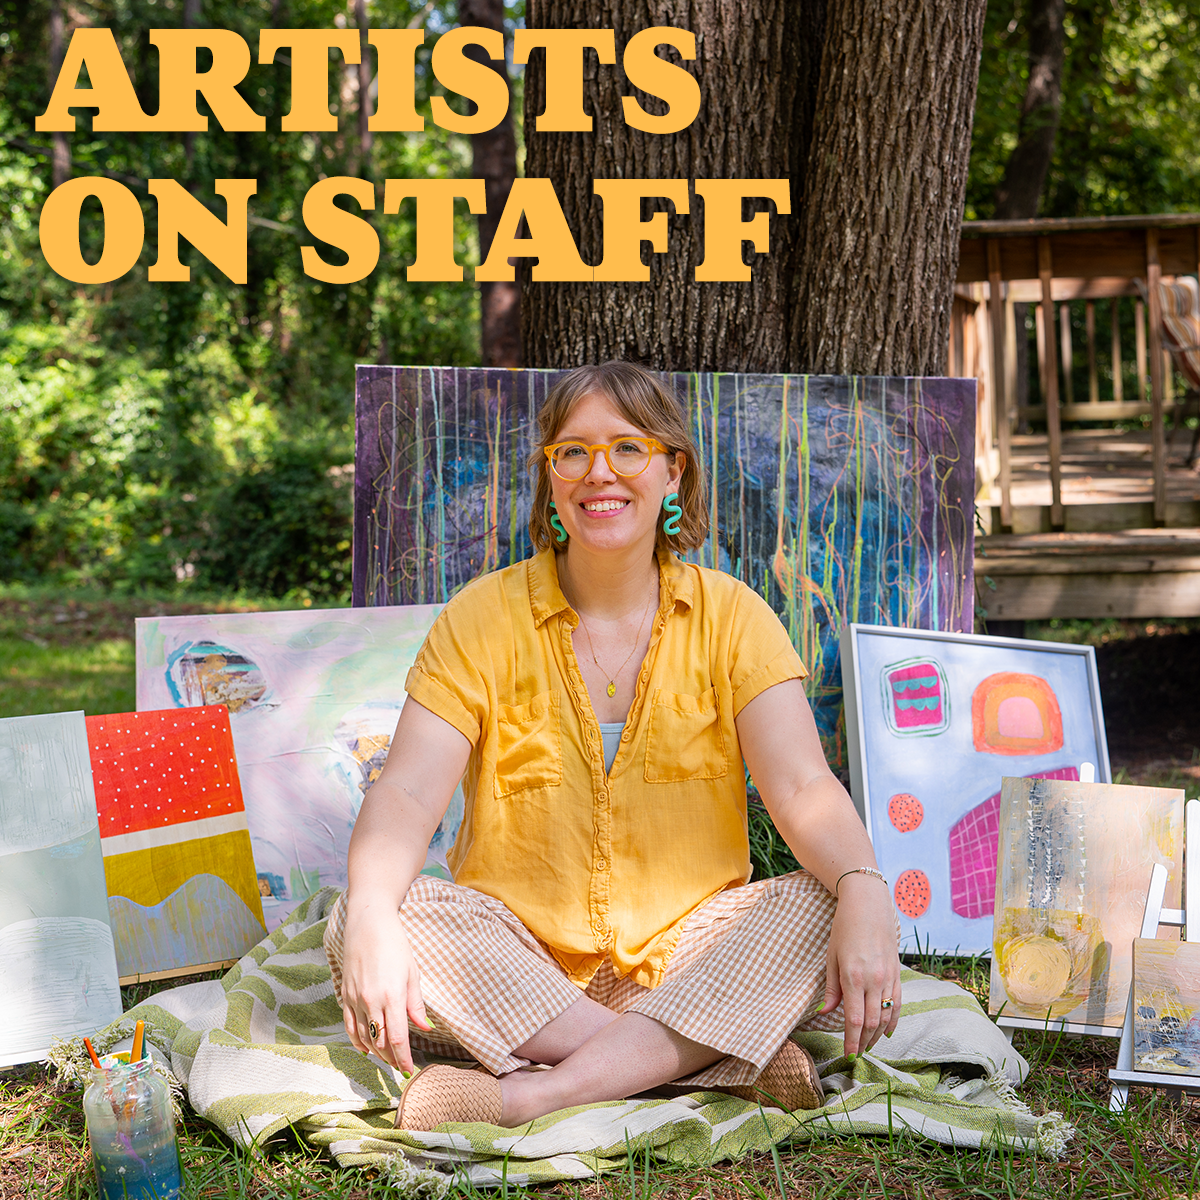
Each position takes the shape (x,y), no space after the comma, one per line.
(182,890)
(1071,881)
(934,722)
(838,499)
(313,698)
(56,947)
(1166,1006)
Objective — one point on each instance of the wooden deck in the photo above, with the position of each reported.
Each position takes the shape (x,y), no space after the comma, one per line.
(1110,560)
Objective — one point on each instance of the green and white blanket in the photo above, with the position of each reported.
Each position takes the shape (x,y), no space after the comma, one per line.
(264,1048)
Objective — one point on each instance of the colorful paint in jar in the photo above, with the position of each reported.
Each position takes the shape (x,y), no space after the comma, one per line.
(131,1128)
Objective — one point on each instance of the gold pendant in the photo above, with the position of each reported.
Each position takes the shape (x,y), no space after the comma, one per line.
(612,688)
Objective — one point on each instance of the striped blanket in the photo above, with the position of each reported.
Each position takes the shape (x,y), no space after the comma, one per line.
(264,1048)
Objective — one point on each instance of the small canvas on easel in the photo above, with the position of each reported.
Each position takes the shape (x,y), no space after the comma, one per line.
(181,882)
(56,947)
(1166,1006)
(1074,863)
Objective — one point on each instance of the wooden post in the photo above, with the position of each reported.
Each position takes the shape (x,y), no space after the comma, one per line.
(1139,347)
(1089,324)
(1053,427)
(1118,369)
(1068,356)
(1000,403)
(1157,432)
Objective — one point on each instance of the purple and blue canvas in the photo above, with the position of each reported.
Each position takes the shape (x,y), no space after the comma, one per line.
(838,499)
(935,721)
(313,699)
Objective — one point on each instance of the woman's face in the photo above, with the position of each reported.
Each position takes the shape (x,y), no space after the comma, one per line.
(604,511)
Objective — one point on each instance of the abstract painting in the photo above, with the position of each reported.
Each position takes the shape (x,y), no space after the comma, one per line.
(56,947)
(1072,875)
(934,722)
(182,890)
(837,499)
(313,697)
(1166,1006)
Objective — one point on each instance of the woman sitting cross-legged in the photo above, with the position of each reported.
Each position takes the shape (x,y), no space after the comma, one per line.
(598,702)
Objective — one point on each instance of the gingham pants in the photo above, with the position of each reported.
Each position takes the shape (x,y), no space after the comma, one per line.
(748,969)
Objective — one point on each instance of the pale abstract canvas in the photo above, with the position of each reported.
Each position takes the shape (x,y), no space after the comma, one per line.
(56,946)
(1166,1006)
(934,722)
(182,889)
(313,697)
(1074,867)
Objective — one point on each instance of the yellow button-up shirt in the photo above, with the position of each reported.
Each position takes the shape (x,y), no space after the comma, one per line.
(601,866)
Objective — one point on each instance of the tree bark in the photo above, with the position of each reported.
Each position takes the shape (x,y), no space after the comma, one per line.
(494,160)
(887,177)
(751,124)
(866,108)
(1025,174)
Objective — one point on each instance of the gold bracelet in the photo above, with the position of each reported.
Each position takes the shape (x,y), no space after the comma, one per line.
(858,871)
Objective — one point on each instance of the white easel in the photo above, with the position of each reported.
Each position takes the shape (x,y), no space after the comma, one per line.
(1124,1076)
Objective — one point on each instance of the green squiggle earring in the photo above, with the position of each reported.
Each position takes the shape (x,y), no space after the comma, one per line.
(671,505)
(562,533)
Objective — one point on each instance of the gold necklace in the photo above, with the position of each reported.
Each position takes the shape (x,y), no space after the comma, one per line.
(612,683)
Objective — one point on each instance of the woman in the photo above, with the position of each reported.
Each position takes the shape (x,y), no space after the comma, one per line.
(597,702)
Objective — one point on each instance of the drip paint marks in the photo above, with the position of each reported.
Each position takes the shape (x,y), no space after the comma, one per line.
(313,699)
(927,780)
(181,881)
(60,970)
(837,499)
(1074,866)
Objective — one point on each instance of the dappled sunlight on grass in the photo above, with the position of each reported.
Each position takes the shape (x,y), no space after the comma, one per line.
(98,678)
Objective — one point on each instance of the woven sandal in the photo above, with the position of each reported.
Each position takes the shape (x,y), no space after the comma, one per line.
(437,1094)
(789,1081)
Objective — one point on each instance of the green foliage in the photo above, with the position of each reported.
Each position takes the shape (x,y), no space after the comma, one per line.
(1130,114)
(193,432)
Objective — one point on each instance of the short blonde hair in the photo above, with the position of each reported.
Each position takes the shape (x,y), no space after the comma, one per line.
(641,398)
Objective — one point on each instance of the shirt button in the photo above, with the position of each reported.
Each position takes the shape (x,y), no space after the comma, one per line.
(601,864)
(625,736)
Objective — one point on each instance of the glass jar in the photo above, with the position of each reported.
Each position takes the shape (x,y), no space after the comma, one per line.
(131,1128)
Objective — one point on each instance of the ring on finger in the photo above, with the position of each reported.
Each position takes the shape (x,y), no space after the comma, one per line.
(373,1030)
(888,1003)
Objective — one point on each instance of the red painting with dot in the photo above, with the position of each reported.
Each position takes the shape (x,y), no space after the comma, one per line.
(913,893)
(905,812)
(152,769)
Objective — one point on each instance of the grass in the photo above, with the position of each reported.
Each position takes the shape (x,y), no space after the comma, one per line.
(59,653)
(1152,1150)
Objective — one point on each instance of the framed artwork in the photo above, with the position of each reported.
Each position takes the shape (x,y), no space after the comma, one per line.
(175,840)
(836,498)
(56,946)
(1074,869)
(934,722)
(313,697)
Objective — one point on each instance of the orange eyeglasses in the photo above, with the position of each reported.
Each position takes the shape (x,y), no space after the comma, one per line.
(626,456)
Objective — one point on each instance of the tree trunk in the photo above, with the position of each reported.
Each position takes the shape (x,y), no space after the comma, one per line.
(60,148)
(866,108)
(1025,174)
(494,160)
(886,182)
(751,124)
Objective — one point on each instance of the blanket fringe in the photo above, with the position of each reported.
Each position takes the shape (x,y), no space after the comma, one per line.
(413,1182)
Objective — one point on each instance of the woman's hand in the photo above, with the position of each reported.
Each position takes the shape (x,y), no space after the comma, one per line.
(380,983)
(862,964)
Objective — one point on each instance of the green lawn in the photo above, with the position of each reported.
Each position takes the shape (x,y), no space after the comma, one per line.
(99,678)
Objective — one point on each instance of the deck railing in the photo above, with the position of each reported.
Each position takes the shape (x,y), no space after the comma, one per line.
(1063,268)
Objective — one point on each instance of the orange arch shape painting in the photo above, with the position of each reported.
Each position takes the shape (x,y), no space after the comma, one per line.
(1012,713)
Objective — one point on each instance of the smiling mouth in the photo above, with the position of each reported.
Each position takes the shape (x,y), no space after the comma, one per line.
(597,506)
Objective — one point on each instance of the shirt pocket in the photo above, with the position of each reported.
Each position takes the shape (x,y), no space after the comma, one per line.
(685,739)
(528,745)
